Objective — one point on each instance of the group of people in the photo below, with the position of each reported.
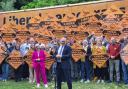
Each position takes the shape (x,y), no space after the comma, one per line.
(64,67)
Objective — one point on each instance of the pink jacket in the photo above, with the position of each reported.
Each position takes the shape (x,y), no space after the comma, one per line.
(42,56)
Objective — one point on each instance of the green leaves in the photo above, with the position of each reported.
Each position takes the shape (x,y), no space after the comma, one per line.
(7,5)
(45,3)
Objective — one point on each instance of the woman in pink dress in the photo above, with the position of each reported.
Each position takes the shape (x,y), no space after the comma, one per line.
(38,59)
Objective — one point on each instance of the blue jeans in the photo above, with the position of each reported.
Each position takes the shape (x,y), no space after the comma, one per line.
(82,70)
(89,69)
(114,64)
(5,70)
(125,72)
(75,71)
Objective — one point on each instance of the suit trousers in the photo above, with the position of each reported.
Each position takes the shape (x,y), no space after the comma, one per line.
(63,73)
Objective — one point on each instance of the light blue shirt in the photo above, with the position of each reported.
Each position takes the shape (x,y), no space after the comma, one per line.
(24,49)
(60,51)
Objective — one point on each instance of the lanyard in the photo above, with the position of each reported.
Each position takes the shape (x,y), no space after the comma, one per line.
(38,54)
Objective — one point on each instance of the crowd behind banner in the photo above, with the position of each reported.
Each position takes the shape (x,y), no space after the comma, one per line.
(99,47)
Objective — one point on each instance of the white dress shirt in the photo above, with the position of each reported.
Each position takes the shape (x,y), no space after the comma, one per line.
(60,51)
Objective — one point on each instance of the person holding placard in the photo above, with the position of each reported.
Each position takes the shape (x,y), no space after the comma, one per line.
(99,50)
(124,43)
(5,66)
(24,49)
(38,59)
(32,75)
(19,71)
(86,62)
(114,59)
(89,37)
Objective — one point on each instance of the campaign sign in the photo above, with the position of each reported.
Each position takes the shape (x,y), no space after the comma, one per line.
(15,59)
(99,60)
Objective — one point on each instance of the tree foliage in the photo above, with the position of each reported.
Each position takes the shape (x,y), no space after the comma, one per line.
(44,3)
(7,5)
(19,3)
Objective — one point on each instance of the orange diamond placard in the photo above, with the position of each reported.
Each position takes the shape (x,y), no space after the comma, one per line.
(28,59)
(77,52)
(48,62)
(99,60)
(15,59)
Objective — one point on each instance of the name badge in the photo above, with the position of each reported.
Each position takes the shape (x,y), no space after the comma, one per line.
(38,59)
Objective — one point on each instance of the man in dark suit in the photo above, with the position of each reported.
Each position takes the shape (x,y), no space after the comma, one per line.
(63,70)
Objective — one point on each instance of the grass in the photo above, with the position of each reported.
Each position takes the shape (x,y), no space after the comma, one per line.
(76,85)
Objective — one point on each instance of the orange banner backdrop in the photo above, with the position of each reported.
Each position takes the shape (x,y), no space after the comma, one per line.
(49,61)
(72,21)
(96,8)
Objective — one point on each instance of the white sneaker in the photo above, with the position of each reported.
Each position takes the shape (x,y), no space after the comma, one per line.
(33,81)
(102,81)
(38,85)
(81,80)
(98,81)
(4,80)
(46,85)
(62,82)
(30,81)
(88,81)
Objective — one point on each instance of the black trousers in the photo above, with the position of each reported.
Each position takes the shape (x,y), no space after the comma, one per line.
(18,73)
(100,73)
(63,73)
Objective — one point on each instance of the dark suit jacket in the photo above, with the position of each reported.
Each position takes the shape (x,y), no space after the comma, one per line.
(66,57)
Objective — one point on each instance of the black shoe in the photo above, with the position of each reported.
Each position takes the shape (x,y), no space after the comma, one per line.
(17,80)
(126,83)
(109,81)
(117,82)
